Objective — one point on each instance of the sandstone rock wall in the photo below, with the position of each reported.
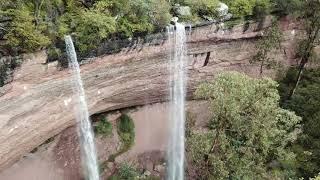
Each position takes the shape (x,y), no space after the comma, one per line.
(38,104)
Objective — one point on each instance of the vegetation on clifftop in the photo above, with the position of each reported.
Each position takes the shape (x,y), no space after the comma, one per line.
(27,26)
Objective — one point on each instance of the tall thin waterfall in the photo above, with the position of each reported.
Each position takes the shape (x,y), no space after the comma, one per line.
(177,68)
(88,151)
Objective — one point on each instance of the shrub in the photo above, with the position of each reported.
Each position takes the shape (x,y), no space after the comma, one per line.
(125,172)
(262,8)
(127,134)
(160,13)
(240,8)
(104,127)
(126,124)
(23,33)
(133,16)
(126,131)
(286,7)
(6,68)
(54,54)
(3,74)
(91,28)
(190,123)
(204,8)
(128,172)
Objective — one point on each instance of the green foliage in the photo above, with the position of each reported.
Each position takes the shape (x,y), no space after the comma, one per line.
(286,7)
(125,172)
(306,103)
(262,8)
(160,13)
(303,50)
(23,32)
(203,8)
(140,16)
(240,8)
(271,40)
(91,28)
(247,131)
(190,123)
(126,124)
(36,24)
(54,54)
(3,75)
(126,131)
(286,82)
(104,127)
(7,65)
(310,13)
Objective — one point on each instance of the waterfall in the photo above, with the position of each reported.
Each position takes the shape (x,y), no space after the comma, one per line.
(88,151)
(177,80)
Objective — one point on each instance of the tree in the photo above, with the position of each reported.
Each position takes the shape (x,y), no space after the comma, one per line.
(204,8)
(248,131)
(286,7)
(160,13)
(306,103)
(89,21)
(138,16)
(91,28)
(271,40)
(240,8)
(310,13)
(262,8)
(23,33)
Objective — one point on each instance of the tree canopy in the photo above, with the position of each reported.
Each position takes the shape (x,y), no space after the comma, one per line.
(30,25)
(248,132)
(306,103)
(27,26)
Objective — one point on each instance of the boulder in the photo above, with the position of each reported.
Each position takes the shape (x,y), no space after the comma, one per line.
(160,168)
(146,173)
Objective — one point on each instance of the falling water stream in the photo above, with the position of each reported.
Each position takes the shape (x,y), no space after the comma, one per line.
(177,68)
(88,151)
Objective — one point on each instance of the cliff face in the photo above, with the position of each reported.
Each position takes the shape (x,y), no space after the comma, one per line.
(38,103)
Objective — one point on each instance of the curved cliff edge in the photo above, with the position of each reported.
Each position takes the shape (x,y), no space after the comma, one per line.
(37,104)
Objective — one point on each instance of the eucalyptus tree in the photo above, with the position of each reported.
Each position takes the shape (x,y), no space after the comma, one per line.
(270,40)
(310,14)
(247,133)
(306,103)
